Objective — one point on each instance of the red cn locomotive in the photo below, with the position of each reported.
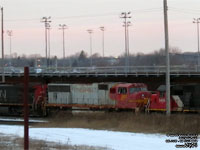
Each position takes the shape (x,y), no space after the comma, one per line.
(130,95)
(158,101)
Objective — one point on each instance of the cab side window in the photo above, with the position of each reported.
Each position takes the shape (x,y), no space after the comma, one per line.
(122,90)
(162,94)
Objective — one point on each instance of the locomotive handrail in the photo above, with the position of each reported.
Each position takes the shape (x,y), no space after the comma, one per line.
(178,69)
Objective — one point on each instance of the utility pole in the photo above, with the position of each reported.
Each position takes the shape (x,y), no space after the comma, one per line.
(168,111)
(90,33)
(46,21)
(102,28)
(125,16)
(2,45)
(10,33)
(197,21)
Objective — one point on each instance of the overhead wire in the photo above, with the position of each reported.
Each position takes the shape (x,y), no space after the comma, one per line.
(185,11)
(88,16)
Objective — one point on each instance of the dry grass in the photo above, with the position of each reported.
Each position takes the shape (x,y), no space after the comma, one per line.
(127,121)
(16,143)
(117,121)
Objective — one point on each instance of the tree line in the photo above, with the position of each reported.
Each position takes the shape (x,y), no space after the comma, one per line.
(82,59)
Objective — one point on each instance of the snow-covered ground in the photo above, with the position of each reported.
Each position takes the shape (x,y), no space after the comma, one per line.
(102,138)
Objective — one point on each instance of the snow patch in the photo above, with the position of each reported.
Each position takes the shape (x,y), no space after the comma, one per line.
(102,138)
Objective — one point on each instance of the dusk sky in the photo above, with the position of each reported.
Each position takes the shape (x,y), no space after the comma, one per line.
(146,33)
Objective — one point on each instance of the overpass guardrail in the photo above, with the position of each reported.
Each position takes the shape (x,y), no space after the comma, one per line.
(117,70)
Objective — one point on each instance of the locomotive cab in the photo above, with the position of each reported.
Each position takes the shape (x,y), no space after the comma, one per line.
(130,95)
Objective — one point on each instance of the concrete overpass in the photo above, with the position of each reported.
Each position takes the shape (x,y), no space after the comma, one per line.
(153,76)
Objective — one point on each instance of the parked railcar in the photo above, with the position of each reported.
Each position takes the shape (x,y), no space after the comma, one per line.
(189,94)
(11,98)
(11,94)
(94,95)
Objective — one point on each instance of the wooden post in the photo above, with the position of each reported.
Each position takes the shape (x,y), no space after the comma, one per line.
(2,45)
(26,111)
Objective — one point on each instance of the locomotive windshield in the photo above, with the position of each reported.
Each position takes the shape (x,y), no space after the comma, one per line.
(133,90)
(143,89)
(137,89)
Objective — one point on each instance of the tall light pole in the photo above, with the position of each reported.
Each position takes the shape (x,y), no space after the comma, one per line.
(49,43)
(63,27)
(2,45)
(125,16)
(197,21)
(56,62)
(10,34)
(90,33)
(168,107)
(128,25)
(102,28)
(46,21)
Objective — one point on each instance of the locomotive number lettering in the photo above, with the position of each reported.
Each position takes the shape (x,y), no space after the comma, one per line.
(3,95)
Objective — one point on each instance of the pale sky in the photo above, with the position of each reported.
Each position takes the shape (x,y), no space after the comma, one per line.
(146,33)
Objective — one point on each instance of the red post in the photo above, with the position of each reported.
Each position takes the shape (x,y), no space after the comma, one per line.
(26,111)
